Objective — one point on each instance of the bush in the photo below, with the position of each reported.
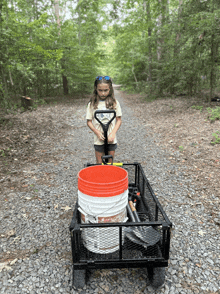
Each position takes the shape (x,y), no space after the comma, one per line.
(217,138)
(214,113)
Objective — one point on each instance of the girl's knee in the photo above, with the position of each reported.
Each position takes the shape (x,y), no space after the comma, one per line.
(98,156)
(112,153)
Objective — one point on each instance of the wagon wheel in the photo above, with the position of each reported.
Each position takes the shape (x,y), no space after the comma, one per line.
(79,278)
(156,276)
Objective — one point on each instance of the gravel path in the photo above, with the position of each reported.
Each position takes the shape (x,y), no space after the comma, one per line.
(34,226)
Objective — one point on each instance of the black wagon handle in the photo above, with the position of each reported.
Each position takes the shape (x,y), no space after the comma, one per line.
(105,126)
(105,159)
(105,111)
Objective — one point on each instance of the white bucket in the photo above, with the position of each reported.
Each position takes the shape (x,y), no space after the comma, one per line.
(102,198)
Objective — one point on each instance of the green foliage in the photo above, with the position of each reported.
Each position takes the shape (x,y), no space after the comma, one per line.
(153,47)
(45,53)
(181,148)
(38,102)
(198,107)
(216,135)
(168,49)
(214,113)
(2,152)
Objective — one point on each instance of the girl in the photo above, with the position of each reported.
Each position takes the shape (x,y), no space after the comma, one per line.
(103,98)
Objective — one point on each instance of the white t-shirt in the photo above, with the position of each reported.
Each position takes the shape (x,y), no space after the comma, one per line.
(104,118)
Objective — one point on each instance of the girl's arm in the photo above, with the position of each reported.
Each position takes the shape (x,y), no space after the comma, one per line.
(98,133)
(111,137)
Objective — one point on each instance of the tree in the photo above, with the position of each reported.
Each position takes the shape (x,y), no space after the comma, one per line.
(180,47)
(42,49)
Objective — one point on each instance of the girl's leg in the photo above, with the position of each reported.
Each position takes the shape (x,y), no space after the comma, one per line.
(99,155)
(112,153)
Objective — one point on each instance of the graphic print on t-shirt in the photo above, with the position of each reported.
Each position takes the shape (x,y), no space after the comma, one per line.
(104,117)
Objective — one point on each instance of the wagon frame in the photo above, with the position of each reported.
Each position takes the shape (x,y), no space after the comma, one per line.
(129,255)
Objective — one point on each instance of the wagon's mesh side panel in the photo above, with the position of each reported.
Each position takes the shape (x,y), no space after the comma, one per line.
(131,173)
(101,240)
(154,213)
(139,242)
(104,243)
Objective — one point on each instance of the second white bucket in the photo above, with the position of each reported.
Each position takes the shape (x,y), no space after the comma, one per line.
(102,198)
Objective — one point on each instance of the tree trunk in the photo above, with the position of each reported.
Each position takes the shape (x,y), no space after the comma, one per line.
(176,49)
(161,22)
(178,35)
(160,45)
(57,13)
(135,78)
(26,102)
(79,23)
(214,51)
(5,92)
(65,85)
(64,78)
(24,90)
(149,43)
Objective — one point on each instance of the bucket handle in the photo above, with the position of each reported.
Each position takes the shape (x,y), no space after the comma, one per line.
(88,217)
(96,216)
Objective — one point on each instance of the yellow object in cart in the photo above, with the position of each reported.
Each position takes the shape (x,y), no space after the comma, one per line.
(115,163)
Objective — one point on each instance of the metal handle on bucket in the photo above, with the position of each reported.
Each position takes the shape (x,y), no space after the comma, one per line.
(88,217)
(104,211)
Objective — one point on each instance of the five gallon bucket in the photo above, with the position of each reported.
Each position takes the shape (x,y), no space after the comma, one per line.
(102,198)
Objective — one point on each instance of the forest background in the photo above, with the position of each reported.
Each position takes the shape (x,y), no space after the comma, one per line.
(157,47)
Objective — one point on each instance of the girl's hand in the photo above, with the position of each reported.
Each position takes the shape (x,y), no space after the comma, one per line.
(111,138)
(100,135)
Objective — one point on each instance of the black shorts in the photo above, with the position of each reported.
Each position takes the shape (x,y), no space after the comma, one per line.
(100,148)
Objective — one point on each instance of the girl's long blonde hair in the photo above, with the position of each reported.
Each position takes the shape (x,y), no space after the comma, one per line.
(110,101)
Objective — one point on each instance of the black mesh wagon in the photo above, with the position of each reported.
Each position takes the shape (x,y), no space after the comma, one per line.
(138,242)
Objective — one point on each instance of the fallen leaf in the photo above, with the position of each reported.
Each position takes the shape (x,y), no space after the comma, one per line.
(56,206)
(10,233)
(15,239)
(13,261)
(24,186)
(66,208)
(4,266)
(9,139)
(201,233)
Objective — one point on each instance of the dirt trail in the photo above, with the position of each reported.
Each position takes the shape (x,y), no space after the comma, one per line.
(42,152)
